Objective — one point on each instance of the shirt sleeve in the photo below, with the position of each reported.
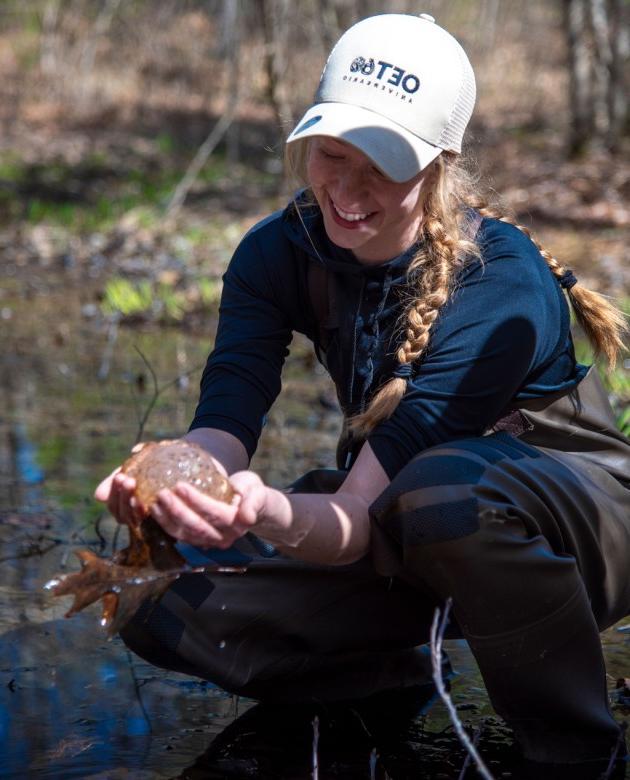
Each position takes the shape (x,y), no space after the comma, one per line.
(241,379)
(503,323)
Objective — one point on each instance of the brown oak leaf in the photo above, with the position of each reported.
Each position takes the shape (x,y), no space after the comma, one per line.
(150,562)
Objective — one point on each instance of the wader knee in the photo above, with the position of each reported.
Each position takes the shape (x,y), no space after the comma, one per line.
(522,607)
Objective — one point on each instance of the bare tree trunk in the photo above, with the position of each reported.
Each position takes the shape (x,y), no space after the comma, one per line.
(328,24)
(619,82)
(337,15)
(274,14)
(230,36)
(576,23)
(488,22)
(101,25)
(49,42)
(220,129)
(602,66)
(598,50)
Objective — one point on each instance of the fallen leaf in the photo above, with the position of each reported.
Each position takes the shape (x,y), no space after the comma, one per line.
(150,563)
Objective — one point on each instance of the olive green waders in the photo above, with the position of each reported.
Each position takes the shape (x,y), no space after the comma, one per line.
(529,535)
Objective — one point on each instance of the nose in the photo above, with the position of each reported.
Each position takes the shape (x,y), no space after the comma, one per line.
(351,185)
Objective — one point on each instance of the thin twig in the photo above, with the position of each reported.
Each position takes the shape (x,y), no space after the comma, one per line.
(621,741)
(102,541)
(115,538)
(153,400)
(157,391)
(31,553)
(373,762)
(315,748)
(437,635)
(136,688)
(468,759)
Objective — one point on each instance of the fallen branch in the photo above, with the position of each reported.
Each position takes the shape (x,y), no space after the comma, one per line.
(199,160)
(437,635)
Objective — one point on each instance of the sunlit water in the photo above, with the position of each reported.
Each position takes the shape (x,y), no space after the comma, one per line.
(73,705)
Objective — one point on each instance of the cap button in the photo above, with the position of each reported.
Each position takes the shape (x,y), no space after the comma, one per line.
(427,17)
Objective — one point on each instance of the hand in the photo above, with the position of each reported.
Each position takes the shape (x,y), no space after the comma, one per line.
(117,491)
(193,517)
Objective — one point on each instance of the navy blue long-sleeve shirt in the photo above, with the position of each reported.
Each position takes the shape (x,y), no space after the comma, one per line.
(502,337)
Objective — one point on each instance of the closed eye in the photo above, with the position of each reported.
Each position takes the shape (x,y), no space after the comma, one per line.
(330,155)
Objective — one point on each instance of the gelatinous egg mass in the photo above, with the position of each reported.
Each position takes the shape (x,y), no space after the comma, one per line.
(165,463)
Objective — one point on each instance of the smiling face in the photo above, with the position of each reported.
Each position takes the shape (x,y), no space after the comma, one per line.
(363,210)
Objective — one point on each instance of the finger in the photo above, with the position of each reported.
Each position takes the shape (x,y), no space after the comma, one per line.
(122,502)
(184,523)
(218,513)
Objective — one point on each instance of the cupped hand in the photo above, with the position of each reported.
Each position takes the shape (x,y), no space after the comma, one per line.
(193,517)
(117,491)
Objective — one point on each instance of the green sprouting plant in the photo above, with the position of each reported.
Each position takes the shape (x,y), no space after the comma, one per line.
(623,421)
(210,291)
(165,143)
(172,302)
(616,382)
(56,213)
(159,301)
(127,298)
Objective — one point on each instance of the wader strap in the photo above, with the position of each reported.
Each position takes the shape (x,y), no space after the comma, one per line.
(323,296)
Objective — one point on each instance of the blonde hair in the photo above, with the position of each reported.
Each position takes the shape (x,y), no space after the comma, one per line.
(445,244)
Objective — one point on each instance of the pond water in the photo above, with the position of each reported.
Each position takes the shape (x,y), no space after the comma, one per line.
(74,390)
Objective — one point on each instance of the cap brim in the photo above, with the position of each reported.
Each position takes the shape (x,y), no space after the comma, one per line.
(397,152)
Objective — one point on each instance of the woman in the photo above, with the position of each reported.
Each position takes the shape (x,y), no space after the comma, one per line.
(479,461)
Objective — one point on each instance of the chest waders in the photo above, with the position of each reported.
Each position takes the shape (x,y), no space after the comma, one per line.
(527,529)
(529,534)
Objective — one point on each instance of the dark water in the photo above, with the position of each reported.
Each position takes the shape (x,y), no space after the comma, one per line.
(74,705)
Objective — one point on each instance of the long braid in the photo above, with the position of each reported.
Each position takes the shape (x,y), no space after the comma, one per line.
(445,246)
(430,275)
(433,269)
(602,322)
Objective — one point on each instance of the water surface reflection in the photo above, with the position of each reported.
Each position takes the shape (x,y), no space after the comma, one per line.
(73,705)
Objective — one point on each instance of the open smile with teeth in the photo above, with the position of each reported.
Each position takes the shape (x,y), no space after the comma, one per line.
(350,216)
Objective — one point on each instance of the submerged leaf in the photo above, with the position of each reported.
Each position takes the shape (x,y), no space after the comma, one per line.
(150,563)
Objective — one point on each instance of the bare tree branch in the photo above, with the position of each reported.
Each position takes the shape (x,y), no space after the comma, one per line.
(437,635)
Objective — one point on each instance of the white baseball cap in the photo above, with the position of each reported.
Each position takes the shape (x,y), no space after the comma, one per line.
(399,88)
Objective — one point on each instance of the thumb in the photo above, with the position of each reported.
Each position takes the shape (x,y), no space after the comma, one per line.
(105,487)
(253,494)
